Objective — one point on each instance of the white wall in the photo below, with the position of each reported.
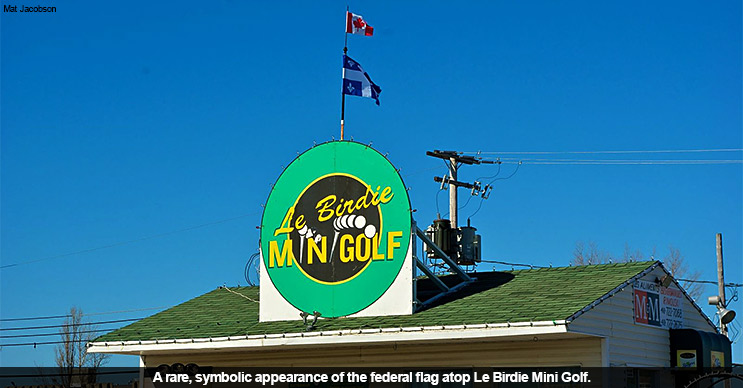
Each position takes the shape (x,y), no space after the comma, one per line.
(629,344)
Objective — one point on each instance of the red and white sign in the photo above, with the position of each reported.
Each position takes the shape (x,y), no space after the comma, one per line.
(355,24)
(658,306)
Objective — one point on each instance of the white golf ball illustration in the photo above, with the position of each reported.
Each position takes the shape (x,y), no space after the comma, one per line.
(359,222)
(370,231)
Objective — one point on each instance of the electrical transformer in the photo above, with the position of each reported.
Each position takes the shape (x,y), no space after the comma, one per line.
(462,245)
(469,246)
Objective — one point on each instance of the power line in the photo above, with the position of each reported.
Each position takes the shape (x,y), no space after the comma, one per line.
(249,266)
(637,162)
(117,244)
(239,294)
(619,160)
(43,374)
(69,325)
(498,162)
(34,344)
(52,334)
(602,152)
(85,315)
(512,264)
(490,184)
(736,285)
(438,210)
(491,176)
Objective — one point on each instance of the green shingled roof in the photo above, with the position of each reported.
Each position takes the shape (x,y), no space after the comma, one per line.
(497,297)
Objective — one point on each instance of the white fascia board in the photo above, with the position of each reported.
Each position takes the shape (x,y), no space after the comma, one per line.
(336,337)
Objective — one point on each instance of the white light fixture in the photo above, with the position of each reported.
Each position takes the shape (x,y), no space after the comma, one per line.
(726,316)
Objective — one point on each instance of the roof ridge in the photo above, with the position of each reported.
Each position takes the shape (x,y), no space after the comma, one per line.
(653,264)
(615,264)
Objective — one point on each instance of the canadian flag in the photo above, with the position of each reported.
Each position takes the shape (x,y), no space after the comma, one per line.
(355,24)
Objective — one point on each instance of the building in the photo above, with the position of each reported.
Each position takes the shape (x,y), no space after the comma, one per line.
(340,287)
(584,316)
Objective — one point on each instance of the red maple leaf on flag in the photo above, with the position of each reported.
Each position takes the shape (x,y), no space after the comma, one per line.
(359,23)
(356,25)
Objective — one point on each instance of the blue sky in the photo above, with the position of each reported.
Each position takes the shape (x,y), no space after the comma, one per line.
(127,120)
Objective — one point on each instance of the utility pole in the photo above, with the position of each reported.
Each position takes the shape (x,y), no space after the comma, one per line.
(721,282)
(453,193)
(454,160)
(721,290)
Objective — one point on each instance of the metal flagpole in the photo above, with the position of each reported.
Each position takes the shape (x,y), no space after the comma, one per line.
(343,95)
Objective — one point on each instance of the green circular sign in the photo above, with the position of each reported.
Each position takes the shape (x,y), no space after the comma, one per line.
(336,229)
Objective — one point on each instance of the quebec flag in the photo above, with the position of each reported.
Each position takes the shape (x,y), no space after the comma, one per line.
(356,82)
